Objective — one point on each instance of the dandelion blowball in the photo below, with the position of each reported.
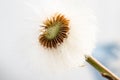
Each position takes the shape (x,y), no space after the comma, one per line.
(67,36)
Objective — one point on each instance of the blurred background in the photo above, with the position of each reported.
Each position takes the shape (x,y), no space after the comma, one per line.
(19,58)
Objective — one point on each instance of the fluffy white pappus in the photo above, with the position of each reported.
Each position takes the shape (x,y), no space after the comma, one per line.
(81,38)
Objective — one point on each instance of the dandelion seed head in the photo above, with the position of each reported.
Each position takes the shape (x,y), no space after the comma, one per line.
(55,30)
(80,36)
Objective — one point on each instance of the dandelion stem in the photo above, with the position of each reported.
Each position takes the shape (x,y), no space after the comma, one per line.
(102,69)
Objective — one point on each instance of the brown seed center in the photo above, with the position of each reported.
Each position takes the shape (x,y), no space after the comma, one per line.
(56,30)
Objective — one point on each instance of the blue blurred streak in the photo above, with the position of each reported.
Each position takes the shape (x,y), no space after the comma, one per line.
(106,53)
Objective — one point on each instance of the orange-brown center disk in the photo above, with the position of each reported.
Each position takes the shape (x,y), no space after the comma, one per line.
(56,30)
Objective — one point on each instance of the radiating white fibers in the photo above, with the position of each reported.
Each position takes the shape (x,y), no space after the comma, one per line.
(81,38)
(81,41)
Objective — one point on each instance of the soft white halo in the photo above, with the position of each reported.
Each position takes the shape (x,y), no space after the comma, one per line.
(81,39)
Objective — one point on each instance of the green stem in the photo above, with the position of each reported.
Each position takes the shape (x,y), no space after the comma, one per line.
(102,69)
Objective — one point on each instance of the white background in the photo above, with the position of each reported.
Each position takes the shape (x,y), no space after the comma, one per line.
(19,58)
